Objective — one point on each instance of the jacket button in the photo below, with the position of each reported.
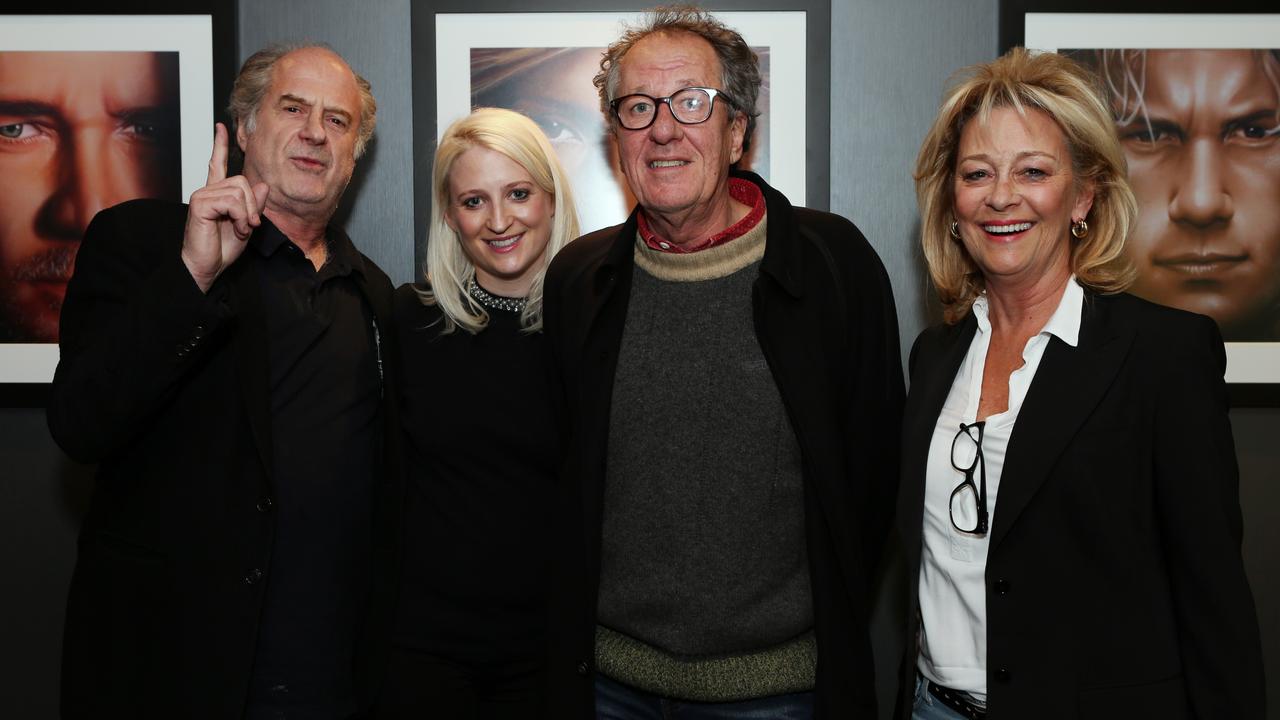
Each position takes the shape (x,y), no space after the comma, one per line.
(254,576)
(264,505)
(198,332)
(582,668)
(1002,675)
(1002,586)
(181,350)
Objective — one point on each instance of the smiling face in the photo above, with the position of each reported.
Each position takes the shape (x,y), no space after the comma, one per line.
(502,218)
(302,144)
(676,170)
(1206,172)
(79,132)
(1015,198)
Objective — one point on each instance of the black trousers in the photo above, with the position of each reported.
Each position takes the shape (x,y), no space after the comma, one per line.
(420,685)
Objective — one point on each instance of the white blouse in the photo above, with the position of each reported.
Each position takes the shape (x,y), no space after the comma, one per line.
(953,629)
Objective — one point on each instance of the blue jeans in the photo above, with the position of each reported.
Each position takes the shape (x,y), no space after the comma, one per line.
(615,701)
(928,707)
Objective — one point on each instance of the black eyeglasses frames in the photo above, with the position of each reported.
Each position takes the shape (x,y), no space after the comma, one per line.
(689,106)
(968,504)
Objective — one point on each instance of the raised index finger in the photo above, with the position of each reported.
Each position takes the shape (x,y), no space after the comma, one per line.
(218,161)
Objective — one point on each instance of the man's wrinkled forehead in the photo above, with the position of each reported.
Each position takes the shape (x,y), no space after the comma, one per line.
(315,76)
(664,61)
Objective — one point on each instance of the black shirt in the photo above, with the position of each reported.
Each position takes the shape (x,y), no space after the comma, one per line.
(325,384)
(481,453)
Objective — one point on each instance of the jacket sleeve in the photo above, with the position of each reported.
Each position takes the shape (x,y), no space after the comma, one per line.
(133,325)
(877,395)
(1198,506)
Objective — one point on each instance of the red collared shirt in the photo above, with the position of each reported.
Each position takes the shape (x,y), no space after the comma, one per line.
(744,191)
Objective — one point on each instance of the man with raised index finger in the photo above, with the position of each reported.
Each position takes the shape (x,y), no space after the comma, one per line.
(734,391)
(222,362)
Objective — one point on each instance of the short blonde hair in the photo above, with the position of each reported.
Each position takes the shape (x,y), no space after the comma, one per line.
(255,77)
(1067,93)
(449,270)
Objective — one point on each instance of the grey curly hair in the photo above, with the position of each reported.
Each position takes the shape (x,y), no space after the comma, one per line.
(739,65)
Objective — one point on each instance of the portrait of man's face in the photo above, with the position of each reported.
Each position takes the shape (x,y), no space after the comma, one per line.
(1201,132)
(553,87)
(79,132)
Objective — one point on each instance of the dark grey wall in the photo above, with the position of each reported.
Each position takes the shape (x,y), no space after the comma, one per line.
(889,64)
(42,497)
(1257,431)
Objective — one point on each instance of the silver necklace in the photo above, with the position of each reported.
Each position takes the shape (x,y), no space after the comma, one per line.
(495,302)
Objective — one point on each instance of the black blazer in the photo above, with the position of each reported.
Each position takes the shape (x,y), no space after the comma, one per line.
(166,388)
(825,319)
(1115,585)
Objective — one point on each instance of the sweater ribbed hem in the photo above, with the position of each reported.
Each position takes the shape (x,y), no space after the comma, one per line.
(714,262)
(785,668)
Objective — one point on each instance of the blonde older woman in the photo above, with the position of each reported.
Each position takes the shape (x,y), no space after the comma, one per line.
(480,438)
(1069,501)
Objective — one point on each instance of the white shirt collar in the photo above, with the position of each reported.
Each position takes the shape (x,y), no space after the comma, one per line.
(1064,323)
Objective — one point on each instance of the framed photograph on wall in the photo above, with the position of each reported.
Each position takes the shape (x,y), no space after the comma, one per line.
(94,110)
(542,63)
(1196,98)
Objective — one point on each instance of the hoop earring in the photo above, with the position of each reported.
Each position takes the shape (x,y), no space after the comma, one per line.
(1079,229)
(955,229)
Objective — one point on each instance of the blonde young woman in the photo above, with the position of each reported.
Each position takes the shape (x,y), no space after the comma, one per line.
(1069,503)
(480,440)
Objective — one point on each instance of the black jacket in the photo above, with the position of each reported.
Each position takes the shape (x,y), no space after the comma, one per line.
(166,389)
(825,320)
(1115,586)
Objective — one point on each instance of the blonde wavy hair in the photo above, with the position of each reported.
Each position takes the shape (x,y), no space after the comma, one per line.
(1067,93)
(448,269)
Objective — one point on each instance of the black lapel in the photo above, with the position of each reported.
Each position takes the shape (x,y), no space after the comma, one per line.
(250,343)
(1067,388)
(783,256)
(784,325)
(380,306)
(806,360)
(933,373)
(603,279)
(605,291)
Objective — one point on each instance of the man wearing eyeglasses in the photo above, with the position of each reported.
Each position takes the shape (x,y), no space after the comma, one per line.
(733,388)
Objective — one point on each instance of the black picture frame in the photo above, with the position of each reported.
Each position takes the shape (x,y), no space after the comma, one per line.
(223,25)
(1012,31)
(423,51)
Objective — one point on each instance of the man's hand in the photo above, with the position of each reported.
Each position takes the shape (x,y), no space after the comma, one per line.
(220,218)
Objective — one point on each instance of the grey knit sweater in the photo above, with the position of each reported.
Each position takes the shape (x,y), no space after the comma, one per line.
(704,587)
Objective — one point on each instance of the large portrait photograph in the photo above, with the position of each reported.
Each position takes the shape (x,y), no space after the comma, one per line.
(1196,101)
(92,113)
(542,65)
